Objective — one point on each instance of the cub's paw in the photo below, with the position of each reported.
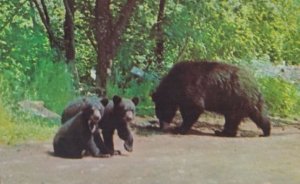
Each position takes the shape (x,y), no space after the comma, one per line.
(102,155)
(117,152)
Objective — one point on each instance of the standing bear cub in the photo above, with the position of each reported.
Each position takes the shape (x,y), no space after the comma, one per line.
(118,115)
(195,86)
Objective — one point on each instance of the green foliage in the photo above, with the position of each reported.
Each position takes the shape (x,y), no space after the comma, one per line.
(19,131)
(282,97)
(141,89)
(49,82)
(29,67)
(233,29)
(29,70)
(17,127)
(52,83)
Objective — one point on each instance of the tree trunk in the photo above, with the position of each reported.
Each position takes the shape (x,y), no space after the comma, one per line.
(108,37)
(69,38)
(159,50)
(103,22)
(69,31)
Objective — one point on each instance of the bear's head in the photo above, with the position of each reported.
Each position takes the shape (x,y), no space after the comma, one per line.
(124,112)
(165,109)
(80,104)
(91,116)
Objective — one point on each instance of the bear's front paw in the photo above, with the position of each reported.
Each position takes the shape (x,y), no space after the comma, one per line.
(102,155)
(117,152)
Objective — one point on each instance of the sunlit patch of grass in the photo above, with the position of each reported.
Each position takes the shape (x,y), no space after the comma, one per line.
(13,131)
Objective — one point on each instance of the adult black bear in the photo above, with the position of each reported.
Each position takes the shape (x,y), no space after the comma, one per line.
(118,114)
(75,134)
(195,86)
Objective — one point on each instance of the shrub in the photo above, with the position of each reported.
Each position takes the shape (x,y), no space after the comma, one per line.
(49,82)
(53,84)
(141,89)
(17,127)
(282,97)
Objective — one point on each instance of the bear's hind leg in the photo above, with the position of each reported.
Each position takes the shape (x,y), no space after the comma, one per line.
(231,126)
(190,115)
(93,149)
(262,122)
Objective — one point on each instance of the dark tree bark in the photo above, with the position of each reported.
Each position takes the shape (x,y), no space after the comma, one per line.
(159,50)
(107,33)
(69,40)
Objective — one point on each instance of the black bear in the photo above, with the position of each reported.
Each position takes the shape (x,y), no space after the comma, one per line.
(118,114)
(195,86)
(74,107)
(76,134)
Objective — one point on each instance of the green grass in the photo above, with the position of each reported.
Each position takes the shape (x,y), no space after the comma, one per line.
(24,128)
(48,82)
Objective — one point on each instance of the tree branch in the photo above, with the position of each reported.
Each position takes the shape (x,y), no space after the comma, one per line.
(89,35)
(45,10)
(123,19)
(46,21)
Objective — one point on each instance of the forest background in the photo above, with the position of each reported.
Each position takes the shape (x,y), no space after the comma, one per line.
(54,51)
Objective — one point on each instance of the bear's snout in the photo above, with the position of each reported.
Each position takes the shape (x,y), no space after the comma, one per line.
(96,116)
(129,116)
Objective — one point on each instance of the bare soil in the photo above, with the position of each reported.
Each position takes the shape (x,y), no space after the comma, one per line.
(162,158)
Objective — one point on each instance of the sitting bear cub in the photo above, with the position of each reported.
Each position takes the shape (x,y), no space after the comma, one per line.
(76,134)
(197,86)
(77,105)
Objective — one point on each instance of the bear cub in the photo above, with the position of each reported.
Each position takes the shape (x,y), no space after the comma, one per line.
(76,134)
(118,115)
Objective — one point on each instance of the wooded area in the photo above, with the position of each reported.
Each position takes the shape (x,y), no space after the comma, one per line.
(50,49)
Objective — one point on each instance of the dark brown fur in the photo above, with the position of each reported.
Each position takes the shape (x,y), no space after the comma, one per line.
(119,113)
(197,86)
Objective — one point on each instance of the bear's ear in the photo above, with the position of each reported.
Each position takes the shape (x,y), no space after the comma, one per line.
(116,100)
(135,100)
(104,101)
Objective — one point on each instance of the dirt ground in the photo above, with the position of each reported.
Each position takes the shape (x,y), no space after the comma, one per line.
(162,158)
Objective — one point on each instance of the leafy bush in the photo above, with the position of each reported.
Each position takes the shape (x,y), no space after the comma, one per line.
(282,97)
(17,127)
(48,81)
(141,89)
(52,83)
